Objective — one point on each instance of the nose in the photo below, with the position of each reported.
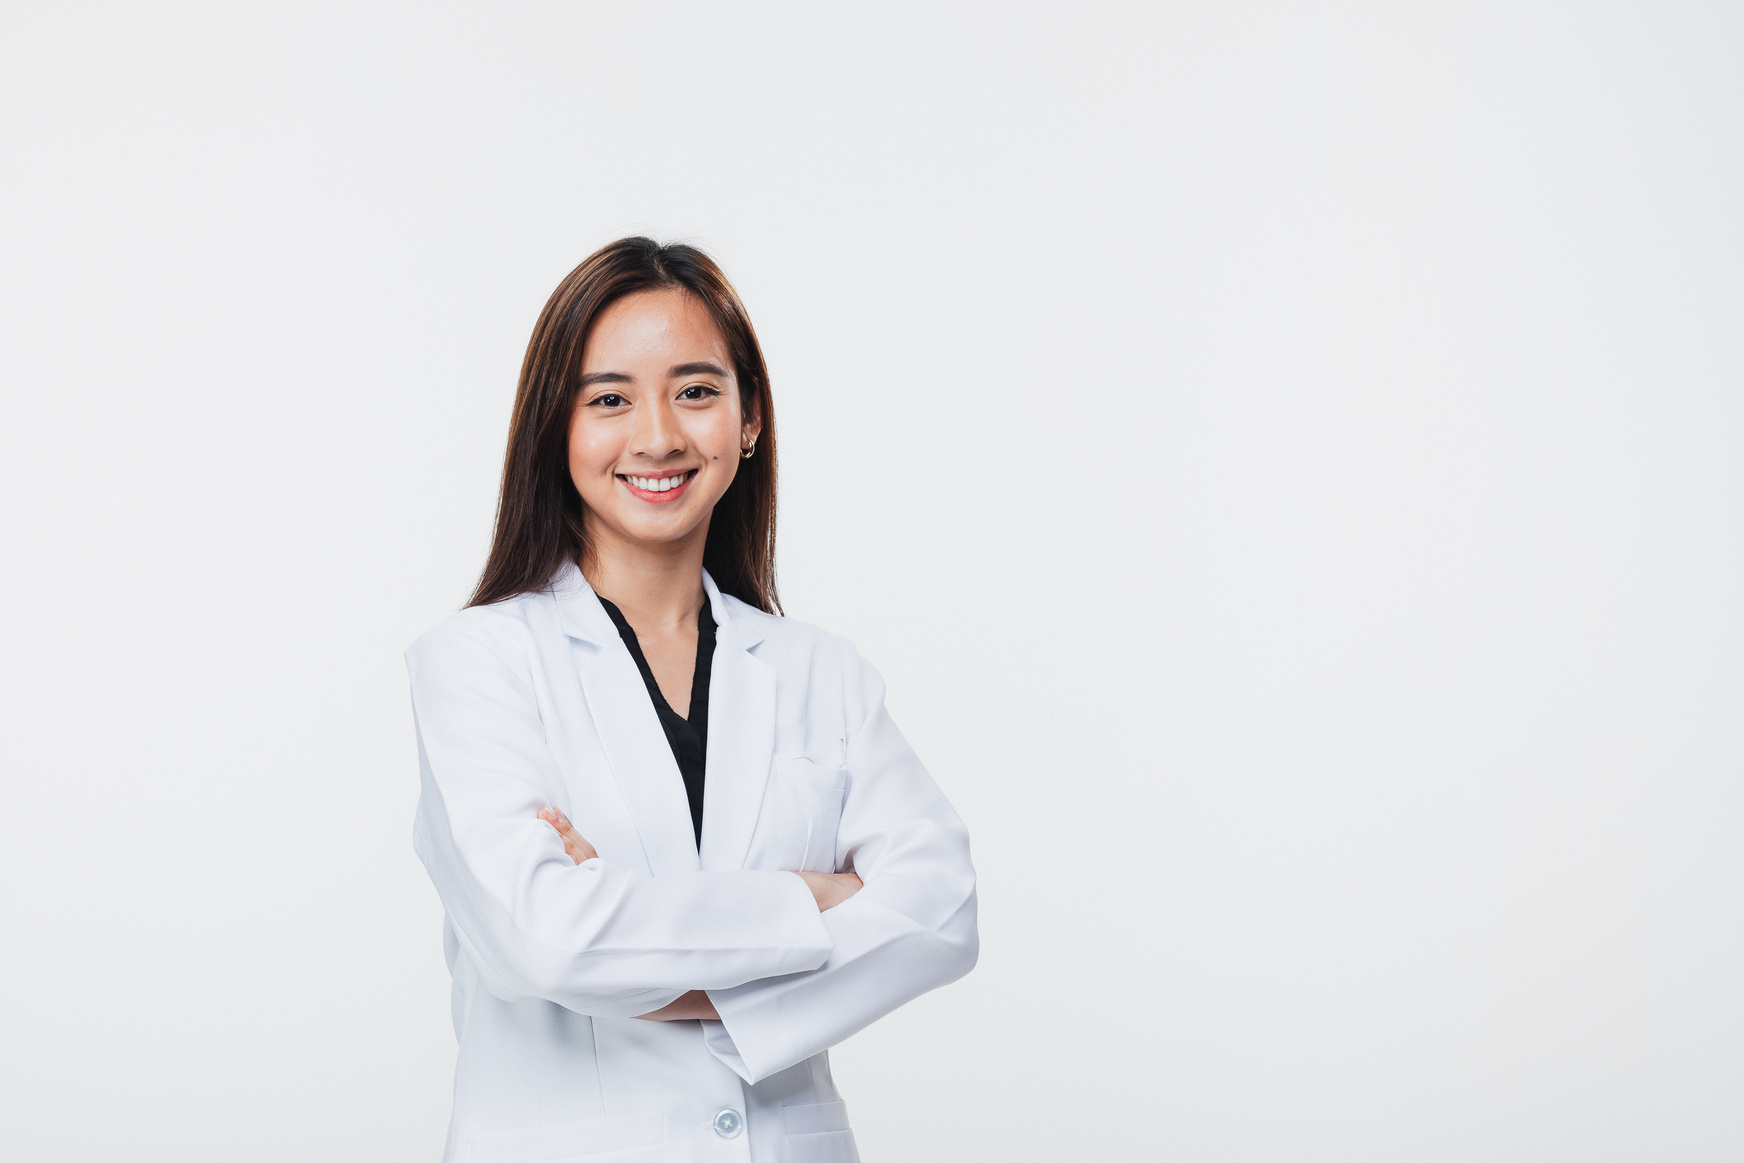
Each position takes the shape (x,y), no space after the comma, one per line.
(656,433)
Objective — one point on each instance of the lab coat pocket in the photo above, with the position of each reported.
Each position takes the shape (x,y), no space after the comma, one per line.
(803,809)
(566,1142)
(819,1132)
(815,1118)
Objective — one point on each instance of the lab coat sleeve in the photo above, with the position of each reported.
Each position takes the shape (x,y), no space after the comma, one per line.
(911,929)
(597,938)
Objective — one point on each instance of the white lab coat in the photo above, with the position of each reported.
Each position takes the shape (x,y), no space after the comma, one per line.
(535,701)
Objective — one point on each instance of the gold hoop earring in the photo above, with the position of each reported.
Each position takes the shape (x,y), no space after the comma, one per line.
(745,452)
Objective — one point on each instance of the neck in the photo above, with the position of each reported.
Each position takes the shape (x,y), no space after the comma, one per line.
(657,584)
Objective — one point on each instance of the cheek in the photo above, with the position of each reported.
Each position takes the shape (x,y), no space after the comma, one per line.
(592,453)
(718,435)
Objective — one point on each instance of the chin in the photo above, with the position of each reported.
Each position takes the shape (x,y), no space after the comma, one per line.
(662,532)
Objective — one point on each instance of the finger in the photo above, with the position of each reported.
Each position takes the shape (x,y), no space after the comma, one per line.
(554,817)
(570,841)
(570,835)
(575,845)
(560,822)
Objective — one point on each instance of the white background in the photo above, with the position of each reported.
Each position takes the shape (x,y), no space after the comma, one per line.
(1285,459)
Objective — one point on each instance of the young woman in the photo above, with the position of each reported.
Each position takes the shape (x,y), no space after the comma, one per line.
(682,848)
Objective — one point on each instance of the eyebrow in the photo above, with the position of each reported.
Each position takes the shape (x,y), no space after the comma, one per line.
(699,368)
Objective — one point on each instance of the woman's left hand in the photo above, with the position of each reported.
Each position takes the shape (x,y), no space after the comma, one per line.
(695,1004)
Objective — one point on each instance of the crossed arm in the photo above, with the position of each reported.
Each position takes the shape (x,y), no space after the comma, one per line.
(613,941)
(829,889)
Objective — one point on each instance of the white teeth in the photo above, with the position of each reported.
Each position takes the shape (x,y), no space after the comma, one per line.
(658,484)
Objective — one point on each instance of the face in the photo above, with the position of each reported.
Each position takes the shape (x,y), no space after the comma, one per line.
(655,436)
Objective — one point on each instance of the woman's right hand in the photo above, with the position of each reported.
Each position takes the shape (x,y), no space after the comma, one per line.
(830,889)
(574,843)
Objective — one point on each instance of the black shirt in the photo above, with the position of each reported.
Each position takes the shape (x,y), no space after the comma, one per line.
(688,737)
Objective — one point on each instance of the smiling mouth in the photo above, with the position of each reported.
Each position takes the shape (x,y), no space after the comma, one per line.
(660,489)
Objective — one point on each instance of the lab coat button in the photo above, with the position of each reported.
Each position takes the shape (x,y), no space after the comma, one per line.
(728,1123)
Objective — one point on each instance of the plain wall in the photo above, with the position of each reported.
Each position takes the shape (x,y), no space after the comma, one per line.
(1286,460)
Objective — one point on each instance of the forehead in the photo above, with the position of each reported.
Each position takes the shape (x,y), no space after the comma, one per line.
(665,327)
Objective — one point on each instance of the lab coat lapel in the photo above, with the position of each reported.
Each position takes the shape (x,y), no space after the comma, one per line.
(741,738)
(629,731)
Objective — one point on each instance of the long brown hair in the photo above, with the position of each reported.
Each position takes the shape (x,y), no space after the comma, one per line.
(539,513)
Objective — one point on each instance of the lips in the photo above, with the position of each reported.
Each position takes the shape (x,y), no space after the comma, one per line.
(663,489)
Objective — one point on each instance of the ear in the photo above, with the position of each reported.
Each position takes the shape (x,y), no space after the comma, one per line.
(751,426)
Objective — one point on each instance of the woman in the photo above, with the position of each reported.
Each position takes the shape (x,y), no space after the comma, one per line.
(682,847)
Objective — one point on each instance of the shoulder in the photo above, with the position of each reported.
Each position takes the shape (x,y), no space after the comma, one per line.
(505,629)
(792,645)
(785,637)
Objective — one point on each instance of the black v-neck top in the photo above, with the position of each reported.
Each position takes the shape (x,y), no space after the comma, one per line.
(688,737)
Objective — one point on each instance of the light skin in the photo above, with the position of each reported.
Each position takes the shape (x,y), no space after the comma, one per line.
(654,441)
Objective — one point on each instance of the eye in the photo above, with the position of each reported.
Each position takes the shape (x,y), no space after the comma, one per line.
(699,392)
(609,400)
